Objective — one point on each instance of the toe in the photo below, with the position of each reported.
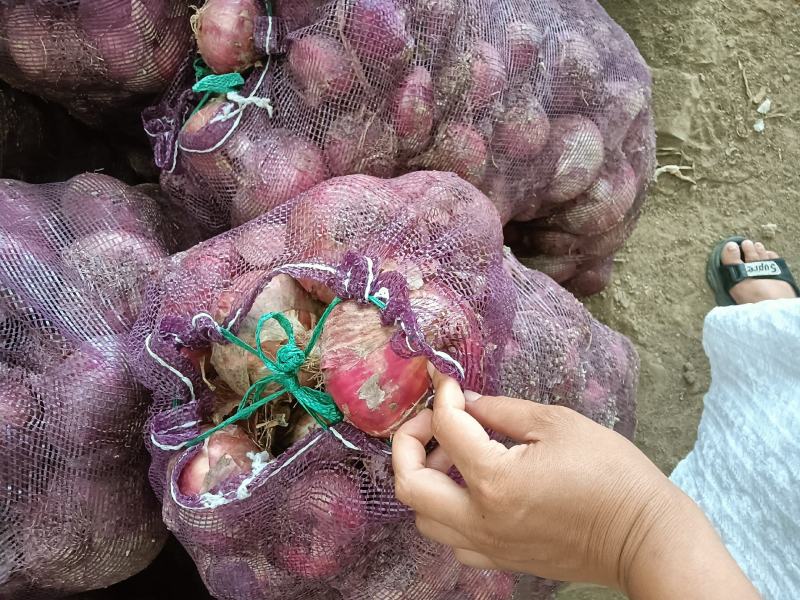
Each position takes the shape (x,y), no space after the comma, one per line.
(772,255)
(731,254)
(761,251)
(749,251)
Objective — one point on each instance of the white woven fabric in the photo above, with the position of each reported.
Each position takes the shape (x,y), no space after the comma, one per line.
(744,470)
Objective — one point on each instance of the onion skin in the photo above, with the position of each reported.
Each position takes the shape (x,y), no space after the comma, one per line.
(592,281)
(489,76)
(222,457)
(224,32)
(375,389)
(604,204)
(413,110)
(459,148)
(576,152)
(357,143)
(199,133)
(377,30)
(522,131)
(524,40)
(281,166)
(238,368)
(320,69)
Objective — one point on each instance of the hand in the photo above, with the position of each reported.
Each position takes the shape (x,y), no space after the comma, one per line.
(572,501)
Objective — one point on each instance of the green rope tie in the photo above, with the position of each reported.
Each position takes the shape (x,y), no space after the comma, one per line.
(209,83)
(288,361)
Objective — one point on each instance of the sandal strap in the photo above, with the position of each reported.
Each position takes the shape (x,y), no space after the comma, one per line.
(763,269)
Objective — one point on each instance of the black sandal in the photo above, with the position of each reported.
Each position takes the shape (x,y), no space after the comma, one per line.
(722,278)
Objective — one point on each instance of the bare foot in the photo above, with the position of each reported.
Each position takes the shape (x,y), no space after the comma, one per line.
(754,290)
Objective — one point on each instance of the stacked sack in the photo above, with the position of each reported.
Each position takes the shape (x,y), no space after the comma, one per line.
(283,354)
(98,58)
(76,510)
(544,106)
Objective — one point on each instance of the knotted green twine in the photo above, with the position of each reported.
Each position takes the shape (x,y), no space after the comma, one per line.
(210,83)
(288,361)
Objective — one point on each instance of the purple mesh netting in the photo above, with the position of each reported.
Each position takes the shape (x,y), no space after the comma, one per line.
(542,104)
(76,510)
(268,511)
(99,58)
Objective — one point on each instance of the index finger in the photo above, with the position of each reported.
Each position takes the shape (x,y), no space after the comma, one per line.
(463,438)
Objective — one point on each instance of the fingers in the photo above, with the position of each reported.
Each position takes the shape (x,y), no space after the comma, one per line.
(521,420)
(433,530)
(439,460)
(429,492)
(474,559)
(461,436)
(408,444)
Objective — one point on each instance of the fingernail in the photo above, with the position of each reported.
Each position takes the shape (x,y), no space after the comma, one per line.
(471,396)
(431,370)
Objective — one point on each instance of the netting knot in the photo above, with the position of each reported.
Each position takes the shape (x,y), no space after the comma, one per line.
(289,359)
(282,378)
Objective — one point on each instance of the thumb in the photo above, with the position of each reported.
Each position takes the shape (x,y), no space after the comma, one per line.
(521,420)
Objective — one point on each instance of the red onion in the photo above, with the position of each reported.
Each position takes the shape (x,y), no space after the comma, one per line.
(522,131)
(360,143)
(320,69)
(604,204)
(458,148)
(524,40)
(575,153)
(488,73)
(224,31)
(377,29)
(374,387)
(224,456)
(413,110)
(281,166)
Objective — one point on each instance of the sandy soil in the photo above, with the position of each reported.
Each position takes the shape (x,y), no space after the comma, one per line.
(746,183)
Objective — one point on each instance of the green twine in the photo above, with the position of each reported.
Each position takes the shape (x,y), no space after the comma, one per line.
(288,361)
(209,83)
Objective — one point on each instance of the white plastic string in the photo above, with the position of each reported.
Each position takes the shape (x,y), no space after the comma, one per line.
(167,366)
(252,99)
(370,278)
(314,266)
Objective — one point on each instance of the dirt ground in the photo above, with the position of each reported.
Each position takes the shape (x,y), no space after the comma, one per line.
(746,183)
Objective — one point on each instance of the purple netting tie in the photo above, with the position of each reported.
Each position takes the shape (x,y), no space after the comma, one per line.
(355,279)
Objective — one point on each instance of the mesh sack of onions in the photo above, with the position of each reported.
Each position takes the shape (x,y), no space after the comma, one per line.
(99,58)
(283,354)
(542,104)
(76,509)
